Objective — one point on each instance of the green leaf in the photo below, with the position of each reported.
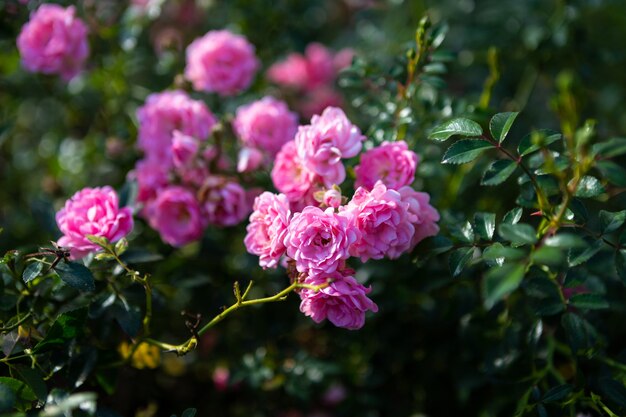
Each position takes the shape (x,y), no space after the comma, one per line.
(459,259)
(513,216)
(464,233)
(34,379)
(190,412)
(7,398)
(498,172)
(500,125)
(76,275)
(518,234)
(535,140)
(577,256)
(485,225)
(614,390)
(66,327)
(462,127)
(547,255)
(500,282)
(498,251)
(23,395)
(557,393)
(589,301)
(565,241)
(620,264)
(609,149)
(614,173)
(465,151)
(128,317)
(589,187)
(610,221)
(580,333)
(32,271)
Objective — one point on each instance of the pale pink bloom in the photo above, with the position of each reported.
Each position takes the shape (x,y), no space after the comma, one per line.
(322,144)
(332,197)
(291,72)
(382,218)
(184,149)
(151,176)
(165,112)
(92,211)
(291,177)
(221,62)
(54,41)
(423,216)
(344,303)
(268,227)
(392,162)
(343,59)
(317,100)
(320,66)
(224,201)
(176,215)
(319,240)
(249,159)
(265,124)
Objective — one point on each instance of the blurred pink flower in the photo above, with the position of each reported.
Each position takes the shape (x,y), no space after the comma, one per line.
(165,112)
(322,144)
(54,41)
(392,162)
(176,215)
(383,221)
(265,124)
(224,201)
(291,177)
(344,303)
(317,100)
(221,62)
(151,176)
(318,241)
(249,159)
(92,211)
(267,228)
(184,149)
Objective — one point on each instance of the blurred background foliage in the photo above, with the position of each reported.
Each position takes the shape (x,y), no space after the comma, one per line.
(432,349)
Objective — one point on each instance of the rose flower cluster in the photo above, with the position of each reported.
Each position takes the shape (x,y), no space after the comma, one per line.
(315,231)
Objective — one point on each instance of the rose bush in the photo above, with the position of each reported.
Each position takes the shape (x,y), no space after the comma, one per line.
(440,197)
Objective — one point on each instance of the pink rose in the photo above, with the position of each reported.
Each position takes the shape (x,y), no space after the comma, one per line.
(319,240)
(391,162)
(343,59)
(92,211)
(54,41)
(423,216)
(317,100)
(265,124)
(382,218)
(344,303)
(322,144)
(176,215)
(320,66)
(151,176)
(221,62)
(267,228)
(225,202)
(184,149)
(332,198)
(165,112)
(292,72)
(291,177)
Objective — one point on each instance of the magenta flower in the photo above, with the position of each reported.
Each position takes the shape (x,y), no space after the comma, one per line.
(268,227)
(54,41)
(332,197)
(344,303)
(382,218)
(224,201)
(391,162)
(292,72)
(322,144)
(168,111)
(266,124)
(319,240)
(151,176)
(423,216)
(92,211)
(176,215)
(291,178)
(221,62)
(317,100)
(249,159)
(184,149)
